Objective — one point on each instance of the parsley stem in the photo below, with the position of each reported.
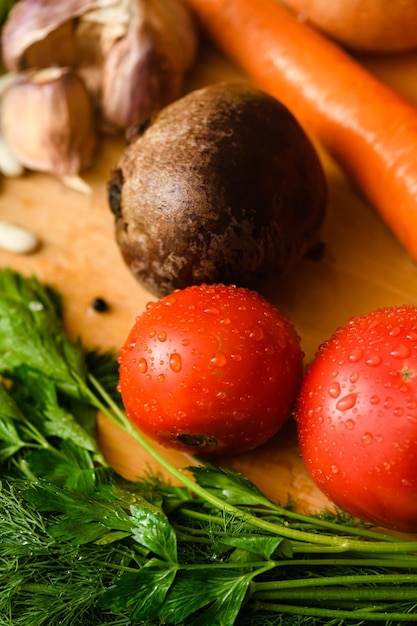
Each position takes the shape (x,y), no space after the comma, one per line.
(362,614)
(342,544)
(351,530)
(322,581)
(395,563)
(355,594)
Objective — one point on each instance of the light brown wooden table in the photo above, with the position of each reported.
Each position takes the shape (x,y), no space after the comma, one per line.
(363,267)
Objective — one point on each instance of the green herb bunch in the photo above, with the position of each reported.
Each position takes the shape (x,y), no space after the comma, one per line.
(81,546)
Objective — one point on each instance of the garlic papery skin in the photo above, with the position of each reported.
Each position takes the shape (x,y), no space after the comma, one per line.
(47,119)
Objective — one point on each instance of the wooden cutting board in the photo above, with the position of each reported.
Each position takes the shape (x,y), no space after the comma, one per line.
(363,267)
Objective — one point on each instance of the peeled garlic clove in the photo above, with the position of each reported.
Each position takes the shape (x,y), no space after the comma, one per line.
(17,239)
(144,70)
(40,33)
(47,119)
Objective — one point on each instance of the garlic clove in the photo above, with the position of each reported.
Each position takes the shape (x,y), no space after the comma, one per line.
(47,119)
(39,33)
(143,69)
(9,164)
(17,239)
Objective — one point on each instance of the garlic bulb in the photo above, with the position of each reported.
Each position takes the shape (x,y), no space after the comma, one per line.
(132,54)
(47,120)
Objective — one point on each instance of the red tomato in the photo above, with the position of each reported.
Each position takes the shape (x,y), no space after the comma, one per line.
(210,370)
(357,417)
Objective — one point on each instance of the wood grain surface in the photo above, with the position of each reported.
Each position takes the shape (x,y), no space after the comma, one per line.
(363,267)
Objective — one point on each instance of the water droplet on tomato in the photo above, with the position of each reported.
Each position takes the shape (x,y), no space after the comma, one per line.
(212,310)
(412,419)
(160,378)
(373,324)
(347,402)
(162,336)
(374,400)
(401,352)
(334,390)
(356,355)
(367,438)
(398,411)
(269,349)
(185,342)
(395,331)
(225,320)
(374,360)
(219,359)
(354,377)
(257,333)
(175,362)
(388,402)
(350,424)
(170,300)
(143,365)
(412,335)
(152,334)
(334,469)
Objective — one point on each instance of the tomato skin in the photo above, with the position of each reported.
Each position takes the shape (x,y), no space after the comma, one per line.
(210,369)
(356,417)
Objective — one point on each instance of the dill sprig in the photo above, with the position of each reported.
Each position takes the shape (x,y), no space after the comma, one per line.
(80,545)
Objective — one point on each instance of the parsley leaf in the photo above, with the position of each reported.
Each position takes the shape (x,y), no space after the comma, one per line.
(153,530)
(32,338)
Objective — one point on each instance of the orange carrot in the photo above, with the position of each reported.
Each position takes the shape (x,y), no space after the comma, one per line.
(368,128)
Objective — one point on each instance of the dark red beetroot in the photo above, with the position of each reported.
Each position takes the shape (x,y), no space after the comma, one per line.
(224,186)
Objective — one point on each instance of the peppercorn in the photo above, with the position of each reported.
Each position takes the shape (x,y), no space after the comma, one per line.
(100,305)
